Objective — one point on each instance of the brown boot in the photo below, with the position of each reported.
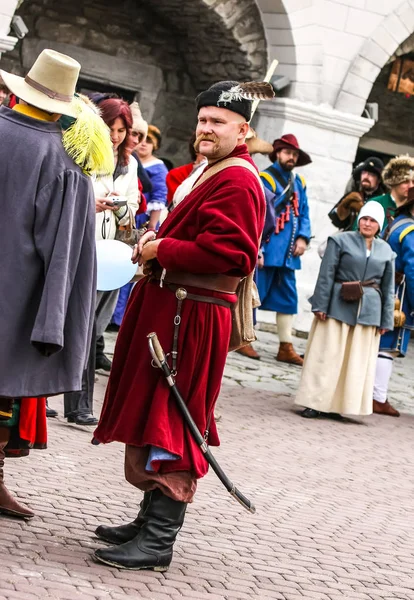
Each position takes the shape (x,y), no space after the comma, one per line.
(249,351)
(384,408)
(8,505)
(287,354)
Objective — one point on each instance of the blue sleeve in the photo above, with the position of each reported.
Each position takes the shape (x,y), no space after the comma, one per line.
(304,225)
(407,248)
(158,176)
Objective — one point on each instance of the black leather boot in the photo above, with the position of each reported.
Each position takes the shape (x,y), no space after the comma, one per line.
(124,533)
(152,548)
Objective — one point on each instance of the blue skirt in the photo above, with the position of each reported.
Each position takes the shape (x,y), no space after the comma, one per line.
(277,290)
(396,341)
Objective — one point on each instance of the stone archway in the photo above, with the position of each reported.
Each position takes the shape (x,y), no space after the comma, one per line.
(218,39)
(392,32)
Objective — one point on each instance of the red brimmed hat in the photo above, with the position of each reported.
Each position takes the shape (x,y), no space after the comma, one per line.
(289,141)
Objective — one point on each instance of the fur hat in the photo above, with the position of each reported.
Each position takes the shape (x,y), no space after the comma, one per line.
(154,134)
(138,122)
(235,96)
(403,208)
(398,170)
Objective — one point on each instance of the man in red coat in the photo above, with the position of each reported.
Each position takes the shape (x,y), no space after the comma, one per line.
(205,245)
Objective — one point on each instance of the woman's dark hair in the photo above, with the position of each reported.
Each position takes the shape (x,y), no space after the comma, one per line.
(112,109)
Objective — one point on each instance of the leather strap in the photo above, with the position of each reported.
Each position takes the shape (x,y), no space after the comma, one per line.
(224,164)
(47,91)
(200,298)
(370,283)
(215,282)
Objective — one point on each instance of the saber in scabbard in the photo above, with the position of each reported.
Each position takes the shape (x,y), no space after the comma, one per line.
(158,356)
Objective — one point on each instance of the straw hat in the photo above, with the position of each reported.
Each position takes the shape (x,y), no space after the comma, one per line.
(49,85)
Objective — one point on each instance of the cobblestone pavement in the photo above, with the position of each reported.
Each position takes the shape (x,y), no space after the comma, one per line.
(334,504)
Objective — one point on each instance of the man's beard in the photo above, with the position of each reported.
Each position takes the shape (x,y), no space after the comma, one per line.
(368,189)
(210,138)
(289,165)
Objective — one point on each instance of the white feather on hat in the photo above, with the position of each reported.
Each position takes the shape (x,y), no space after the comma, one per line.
(138,122)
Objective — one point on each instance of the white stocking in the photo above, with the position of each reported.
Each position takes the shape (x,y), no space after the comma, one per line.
(284,327)
(382,376)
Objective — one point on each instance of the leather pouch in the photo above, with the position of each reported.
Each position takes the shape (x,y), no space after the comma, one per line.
(351,291)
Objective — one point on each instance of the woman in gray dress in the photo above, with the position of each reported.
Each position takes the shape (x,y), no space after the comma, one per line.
(353,304)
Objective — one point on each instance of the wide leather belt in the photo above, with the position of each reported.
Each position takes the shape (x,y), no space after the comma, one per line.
(370,283)
(215,282)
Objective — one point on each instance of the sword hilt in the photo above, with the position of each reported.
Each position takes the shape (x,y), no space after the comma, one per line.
(156,348)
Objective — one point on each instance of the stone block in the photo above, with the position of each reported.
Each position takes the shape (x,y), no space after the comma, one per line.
(8,8)
(329,93)
(309,55)
(302,18)
(374,53)
(359,22)
(350,103)
(396,28)
(340,43)
(280,37)
(332,15)
(305,36)
(334,69)
(305,92)
(364,68)
(276,21)
(385,40)
(406,14)
(294,5)
(359,86)
(308,73)
(382,7)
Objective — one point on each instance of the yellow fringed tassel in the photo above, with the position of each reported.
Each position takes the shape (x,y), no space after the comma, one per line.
(87,140)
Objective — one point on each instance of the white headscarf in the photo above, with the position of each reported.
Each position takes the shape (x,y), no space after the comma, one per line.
(375,211)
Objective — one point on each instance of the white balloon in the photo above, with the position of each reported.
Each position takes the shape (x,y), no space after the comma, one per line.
(115,268)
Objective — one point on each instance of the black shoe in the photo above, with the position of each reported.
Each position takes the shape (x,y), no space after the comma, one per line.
(103,362)
(152,548)
(310,413)
(124,533)
(50,412)
(83,419)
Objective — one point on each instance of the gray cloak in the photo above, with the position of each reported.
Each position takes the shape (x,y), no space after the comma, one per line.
(47,267)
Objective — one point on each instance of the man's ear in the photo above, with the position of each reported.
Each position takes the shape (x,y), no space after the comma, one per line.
(244,129)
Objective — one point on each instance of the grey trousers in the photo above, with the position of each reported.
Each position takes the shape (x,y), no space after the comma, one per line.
(81,402)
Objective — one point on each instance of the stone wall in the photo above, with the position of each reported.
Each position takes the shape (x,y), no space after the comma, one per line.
(163,51)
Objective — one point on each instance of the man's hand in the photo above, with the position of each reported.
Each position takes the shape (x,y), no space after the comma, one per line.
(149,251)
(299,247)
(321,316)
(381,330)
(260,262)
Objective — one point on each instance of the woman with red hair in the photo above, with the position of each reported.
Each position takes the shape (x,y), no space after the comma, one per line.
(121,186)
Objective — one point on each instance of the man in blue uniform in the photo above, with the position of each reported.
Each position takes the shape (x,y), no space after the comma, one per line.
(400,235)
(283,248)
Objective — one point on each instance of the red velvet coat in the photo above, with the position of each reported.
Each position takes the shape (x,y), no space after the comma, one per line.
(215,229)
(175,177)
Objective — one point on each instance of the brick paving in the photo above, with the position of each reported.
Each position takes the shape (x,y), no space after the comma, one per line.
(334,505)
